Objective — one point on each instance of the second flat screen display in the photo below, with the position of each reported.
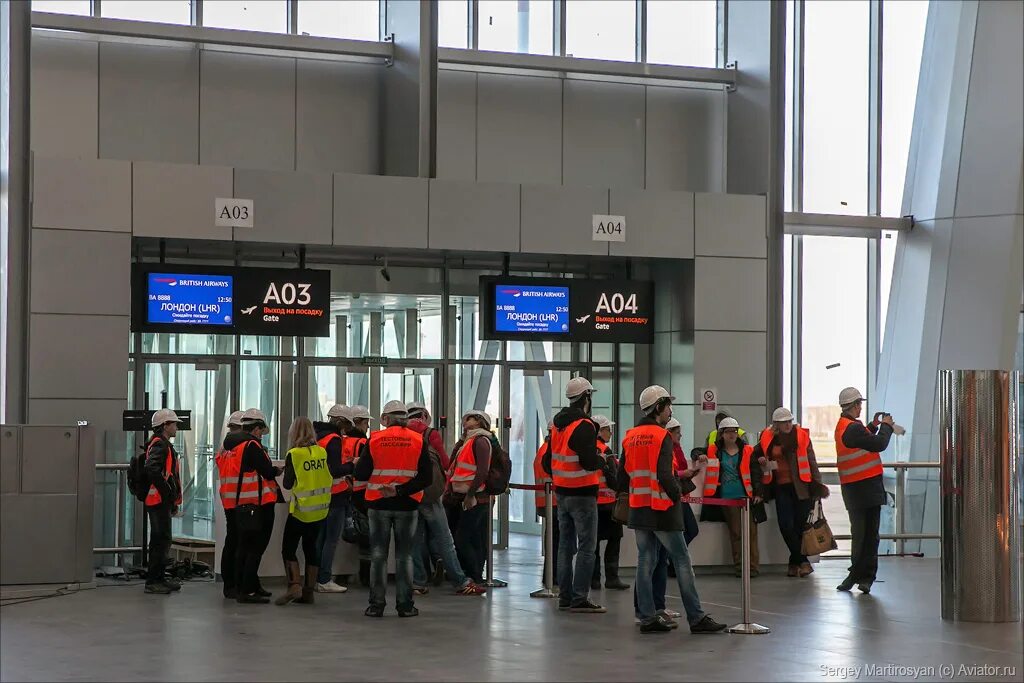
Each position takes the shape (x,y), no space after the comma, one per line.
(531,309)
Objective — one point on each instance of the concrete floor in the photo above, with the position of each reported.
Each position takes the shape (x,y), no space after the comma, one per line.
(120,634)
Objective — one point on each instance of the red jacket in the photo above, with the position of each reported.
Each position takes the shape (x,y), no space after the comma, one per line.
(678,458)
(434,439)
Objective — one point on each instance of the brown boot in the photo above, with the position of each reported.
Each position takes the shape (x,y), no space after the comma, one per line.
(793,570)
(806,570)
(309,586)
(294,592)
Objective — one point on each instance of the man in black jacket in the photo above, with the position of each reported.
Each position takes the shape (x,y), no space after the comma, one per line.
(574,445)
(163,499)
(859,448)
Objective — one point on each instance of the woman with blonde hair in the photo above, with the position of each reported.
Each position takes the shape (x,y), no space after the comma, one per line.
(307,477)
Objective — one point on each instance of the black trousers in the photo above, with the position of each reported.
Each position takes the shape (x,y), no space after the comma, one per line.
(228,559)
(469,531)
(555,537)
(251,546)
(295,530)
(864,523)
(792,516)
(159,541)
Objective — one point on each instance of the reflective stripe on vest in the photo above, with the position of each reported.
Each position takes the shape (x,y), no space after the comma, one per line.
(605,494)
(396,455)
(255,490)
(341,484)
(311,494)
(153,496)
(854,464)
(464,470)
(642,447)
(711,476)
(228,469)
(350,449)
(565,463)
(541,477)
(803,442)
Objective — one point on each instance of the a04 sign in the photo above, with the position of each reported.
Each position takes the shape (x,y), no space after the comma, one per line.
(609,228)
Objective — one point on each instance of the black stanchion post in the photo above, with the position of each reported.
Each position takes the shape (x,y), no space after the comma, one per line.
(747,626)
(549,550)
(490,581)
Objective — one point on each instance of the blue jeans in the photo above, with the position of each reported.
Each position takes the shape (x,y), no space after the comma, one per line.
(382,523)
(577,526)
(330,530)
(647,544)
(659,583)
(434,522)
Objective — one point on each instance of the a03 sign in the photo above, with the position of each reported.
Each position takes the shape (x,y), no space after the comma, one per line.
(609,228)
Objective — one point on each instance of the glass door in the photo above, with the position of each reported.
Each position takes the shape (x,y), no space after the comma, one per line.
(351,382)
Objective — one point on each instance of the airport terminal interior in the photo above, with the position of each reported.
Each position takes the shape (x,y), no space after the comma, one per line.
(612,340)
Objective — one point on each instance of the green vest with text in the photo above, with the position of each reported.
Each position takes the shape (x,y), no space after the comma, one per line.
(311,495)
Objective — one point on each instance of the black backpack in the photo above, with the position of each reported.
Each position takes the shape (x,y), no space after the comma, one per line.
(500,472)
(138,480)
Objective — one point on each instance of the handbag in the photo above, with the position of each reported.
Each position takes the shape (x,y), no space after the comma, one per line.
(620,512)
(817,536)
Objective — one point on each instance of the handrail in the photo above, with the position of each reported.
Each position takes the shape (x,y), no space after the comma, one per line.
(119,486)
(832,465)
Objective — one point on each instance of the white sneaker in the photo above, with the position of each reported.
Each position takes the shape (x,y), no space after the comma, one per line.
(670,614)
(330,587)
(637,621)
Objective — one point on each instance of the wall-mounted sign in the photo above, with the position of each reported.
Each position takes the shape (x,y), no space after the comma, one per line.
(535,309)
(232,213)
(709,401)
(609,228)
(261,301)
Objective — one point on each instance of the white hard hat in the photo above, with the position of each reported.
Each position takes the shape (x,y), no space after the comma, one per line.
(253,415)
(360,413)
(339,410)
(728,423)
(603,421)
(480,415)
(672,424)
(418,408)
(235,419)
(782,415)
(395,408)
(163,416)
(849,395)
(652,394)
(578,386)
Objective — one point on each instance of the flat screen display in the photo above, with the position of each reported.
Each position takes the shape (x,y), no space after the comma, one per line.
(189,299)
(530,309)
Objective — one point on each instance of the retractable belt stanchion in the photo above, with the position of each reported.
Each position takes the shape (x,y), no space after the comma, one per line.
(549,542)
(490,581)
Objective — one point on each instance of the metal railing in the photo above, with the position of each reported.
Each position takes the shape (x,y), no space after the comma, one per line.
(120,485)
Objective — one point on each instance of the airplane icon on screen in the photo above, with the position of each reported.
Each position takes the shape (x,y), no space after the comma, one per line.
(247,311)
(583,319)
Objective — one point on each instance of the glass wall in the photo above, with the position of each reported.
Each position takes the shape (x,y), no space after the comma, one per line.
(163,11)
(355,19)
(684,32)
(526,26)
(601,29)
(248,15)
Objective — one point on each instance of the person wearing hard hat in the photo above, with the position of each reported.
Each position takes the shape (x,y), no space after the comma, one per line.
(358,529)
(785,450)
(329,436)
(227,480)
(162,500)
(733,473)
(686,471)
(574,463)
(467,503)
(395,463)
(608,529)
(420,421)
(256,495)
(858,457)
(656,515)
(722,413)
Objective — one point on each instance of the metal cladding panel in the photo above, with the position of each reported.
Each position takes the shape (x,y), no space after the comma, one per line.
(980,450)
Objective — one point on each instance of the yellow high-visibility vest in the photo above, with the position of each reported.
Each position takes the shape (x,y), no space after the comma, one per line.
(311,495)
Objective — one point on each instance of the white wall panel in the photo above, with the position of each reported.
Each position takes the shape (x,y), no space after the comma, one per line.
(658,223)
(730,225)
(288,206)
(730,294)
(456,125)
(82,194)
(380,211)
(63,365)
(337,117)
(734,362)
(64,97)
(686,139)
(149,103)
(176,200)
(247,111)
(104,415)
(519,129)
(474,216)
(559,220)
(80,272)
(604,134)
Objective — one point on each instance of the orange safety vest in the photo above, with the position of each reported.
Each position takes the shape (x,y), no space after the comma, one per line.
(565,463)
(255,490)
(341,484)
(541,477)
(228,470)
(350,449)
(605,494)
(464,468)
(803,442)
(714,467)
(396,456)
(153,496)
(854,464)
(642,447)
